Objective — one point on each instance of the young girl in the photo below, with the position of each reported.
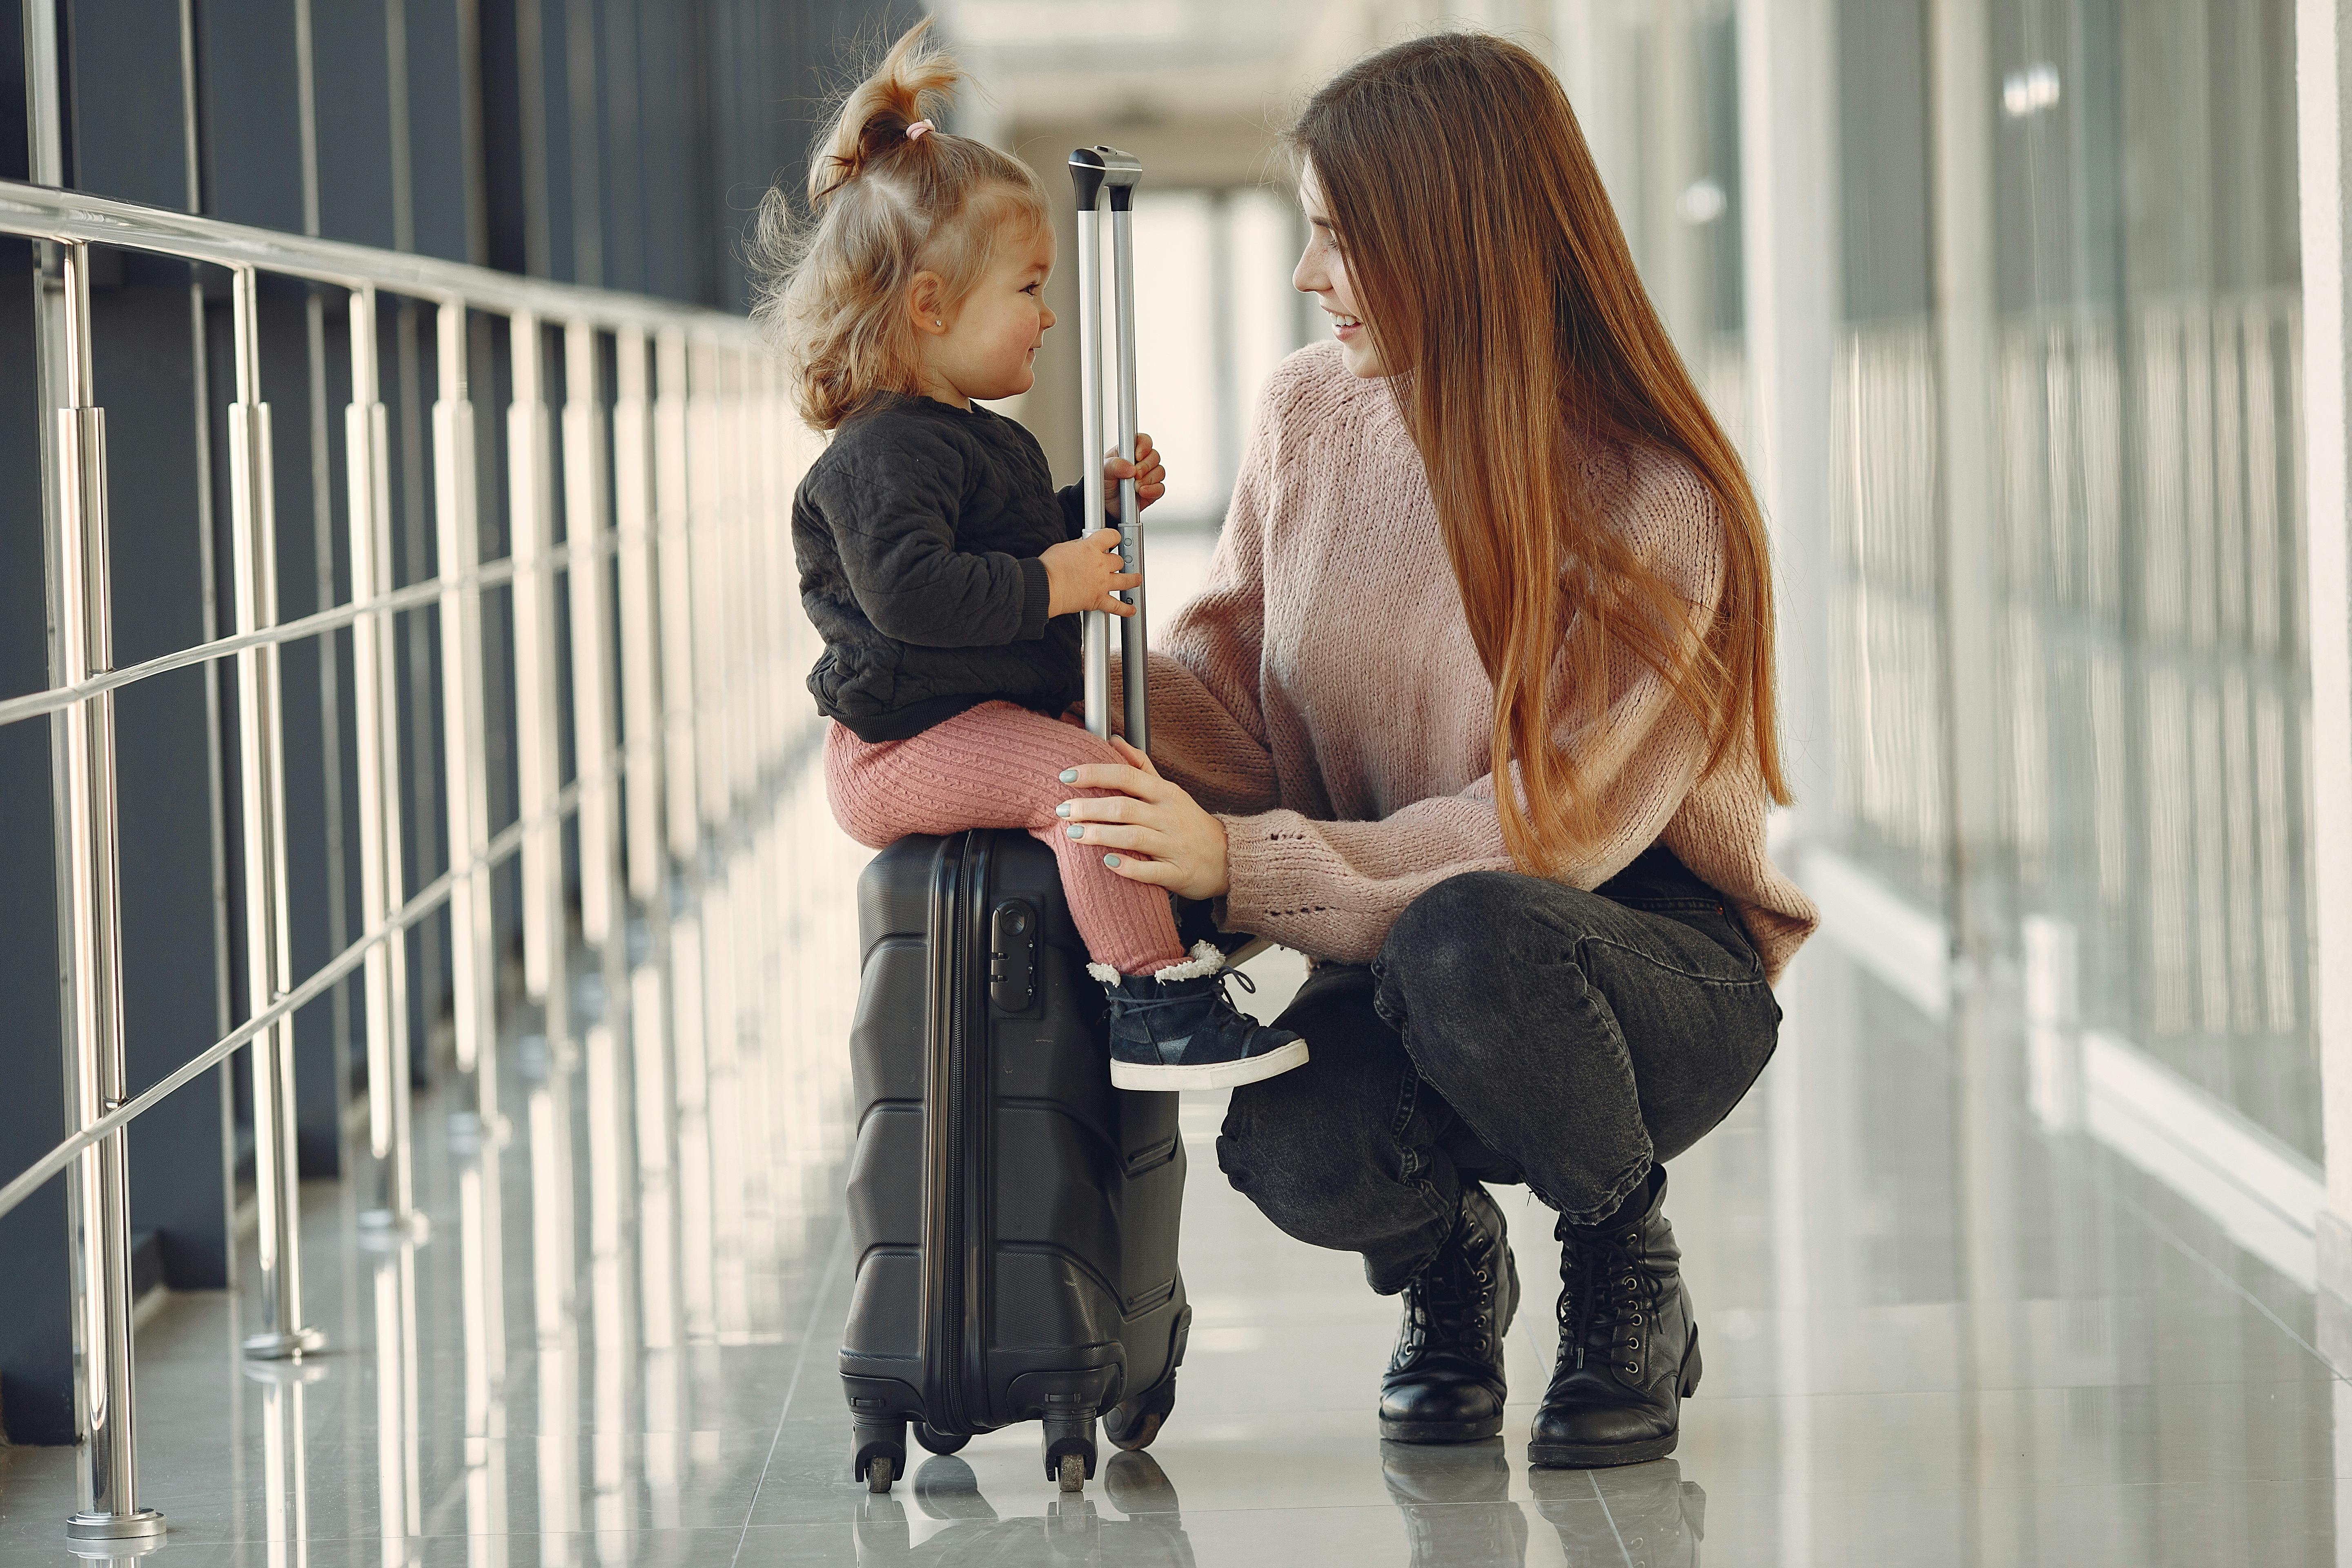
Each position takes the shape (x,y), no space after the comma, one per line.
(944,570)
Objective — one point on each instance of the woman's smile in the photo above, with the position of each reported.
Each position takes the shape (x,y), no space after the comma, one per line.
(1346,328)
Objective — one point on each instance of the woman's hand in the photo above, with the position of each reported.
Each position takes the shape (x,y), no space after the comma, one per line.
(1155,832)
(1085,574)
(1150,476)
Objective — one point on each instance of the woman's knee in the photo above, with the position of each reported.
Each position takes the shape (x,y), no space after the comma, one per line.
(1268,1132)
(1300,1149)
(1458,940)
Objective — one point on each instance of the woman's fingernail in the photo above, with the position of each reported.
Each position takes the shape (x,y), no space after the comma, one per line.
(1111,859)
(1069,775)
(1075,830)
(1063,809)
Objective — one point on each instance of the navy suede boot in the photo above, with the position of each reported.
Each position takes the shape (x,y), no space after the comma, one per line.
(1176,1029)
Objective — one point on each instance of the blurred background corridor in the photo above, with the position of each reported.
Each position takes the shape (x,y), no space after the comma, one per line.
(504,946)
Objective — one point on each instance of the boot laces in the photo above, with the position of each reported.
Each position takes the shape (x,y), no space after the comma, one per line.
(1447,1302)
(1158,1003)
(1610,1289)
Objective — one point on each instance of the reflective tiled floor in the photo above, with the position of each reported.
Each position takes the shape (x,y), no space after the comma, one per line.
(1934,1336)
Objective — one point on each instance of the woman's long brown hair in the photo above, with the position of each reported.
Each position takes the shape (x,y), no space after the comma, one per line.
(1496,283)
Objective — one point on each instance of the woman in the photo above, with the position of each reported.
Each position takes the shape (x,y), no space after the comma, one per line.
(1492,533)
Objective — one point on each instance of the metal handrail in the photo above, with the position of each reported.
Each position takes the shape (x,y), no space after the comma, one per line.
(416,595)
(77,218)
(669,689)
(430,898)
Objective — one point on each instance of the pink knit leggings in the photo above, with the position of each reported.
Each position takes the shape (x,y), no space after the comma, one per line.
(998,766)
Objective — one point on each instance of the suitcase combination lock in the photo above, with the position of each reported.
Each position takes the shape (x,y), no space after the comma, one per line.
(1013,955)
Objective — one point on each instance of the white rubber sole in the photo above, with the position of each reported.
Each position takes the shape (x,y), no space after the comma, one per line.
(1170,1077)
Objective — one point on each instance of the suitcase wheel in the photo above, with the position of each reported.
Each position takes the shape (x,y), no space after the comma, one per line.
(1069,1450)
(879,1456)
(1134,1423)
(939,1442)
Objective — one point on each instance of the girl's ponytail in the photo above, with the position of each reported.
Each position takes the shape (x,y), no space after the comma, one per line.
(912,84)
(883,206)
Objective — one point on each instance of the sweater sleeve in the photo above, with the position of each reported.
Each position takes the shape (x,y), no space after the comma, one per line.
(1332,889)
(893,512)
(1208,724)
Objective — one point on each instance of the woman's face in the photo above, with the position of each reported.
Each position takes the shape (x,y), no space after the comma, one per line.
(1322,271)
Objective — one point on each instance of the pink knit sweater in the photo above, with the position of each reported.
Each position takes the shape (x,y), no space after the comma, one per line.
(1323,697)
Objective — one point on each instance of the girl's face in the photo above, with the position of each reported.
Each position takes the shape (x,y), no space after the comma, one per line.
(1322,271)
(985,346)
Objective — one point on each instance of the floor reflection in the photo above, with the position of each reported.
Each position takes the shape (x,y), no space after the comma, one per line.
(952,1521)
(1938,1334)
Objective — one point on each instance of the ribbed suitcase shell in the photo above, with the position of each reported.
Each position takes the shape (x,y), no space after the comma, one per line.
(1015,1218)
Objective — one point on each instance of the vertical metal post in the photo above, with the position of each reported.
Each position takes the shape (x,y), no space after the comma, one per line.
(376,717)
(2323,47)
(586,531)
(633,518)
(473,955)
(100,1234)
(261,779)
(1788,245)
(400,1512)
(644,639)
(528,474)
(704,537)
(1093,171)
(1134,642)
(1086,180)
(679,694)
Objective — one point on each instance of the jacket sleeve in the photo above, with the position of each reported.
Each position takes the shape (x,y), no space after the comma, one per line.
(1332,889)
(893,518)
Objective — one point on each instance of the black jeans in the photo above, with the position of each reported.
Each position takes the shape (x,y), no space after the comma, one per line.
(1511,1030)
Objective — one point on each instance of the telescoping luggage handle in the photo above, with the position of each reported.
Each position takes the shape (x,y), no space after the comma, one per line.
(1095,171)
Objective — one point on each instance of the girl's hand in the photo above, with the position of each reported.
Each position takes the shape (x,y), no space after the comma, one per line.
(1083,575)
(1150,475)
(1154,832)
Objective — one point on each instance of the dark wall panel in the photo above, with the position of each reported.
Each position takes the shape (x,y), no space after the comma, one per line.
(313,754)
(441,174)
(16,158)
(146,377)
(251,113)
(129,115)
(353,72)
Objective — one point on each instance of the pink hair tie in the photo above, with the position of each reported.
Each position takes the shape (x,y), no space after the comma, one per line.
(918,130)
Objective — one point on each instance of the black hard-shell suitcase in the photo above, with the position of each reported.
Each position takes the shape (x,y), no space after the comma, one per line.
(1015,1217)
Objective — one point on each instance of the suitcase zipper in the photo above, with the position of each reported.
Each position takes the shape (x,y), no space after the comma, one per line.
(943,1121)
(975,1124)
(955,1352)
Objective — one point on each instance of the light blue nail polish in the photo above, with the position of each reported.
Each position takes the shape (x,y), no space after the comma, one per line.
(1069,775)
(1111,859)
(1075,830)
(1063,809)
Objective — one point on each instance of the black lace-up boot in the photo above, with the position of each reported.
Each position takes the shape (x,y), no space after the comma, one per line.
(1444,1384)
(1628,1342)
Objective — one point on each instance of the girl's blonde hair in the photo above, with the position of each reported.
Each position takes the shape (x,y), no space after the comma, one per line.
(882,208)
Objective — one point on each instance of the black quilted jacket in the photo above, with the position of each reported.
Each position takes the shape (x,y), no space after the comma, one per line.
(918,532)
